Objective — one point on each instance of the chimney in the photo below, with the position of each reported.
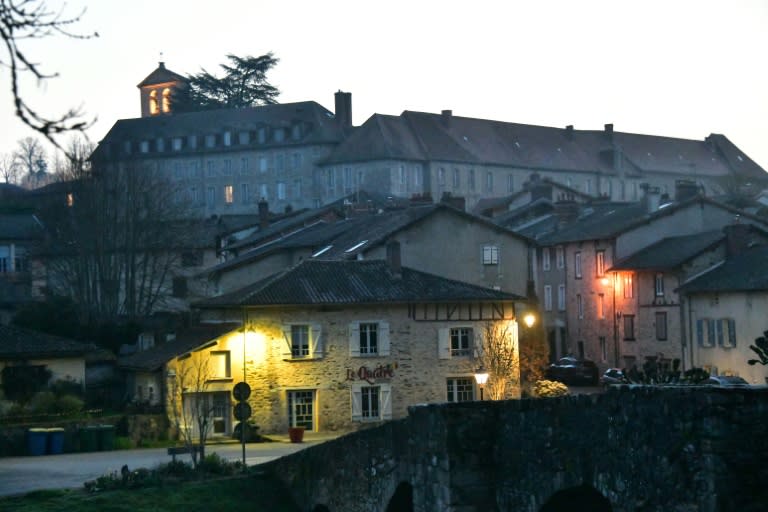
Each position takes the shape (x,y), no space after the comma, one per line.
(651,197)
(736,238)
(343,109)
(685,189)
(569,132)
(566,209)
(263,214)
(393,258)
(445,117)
(609,131)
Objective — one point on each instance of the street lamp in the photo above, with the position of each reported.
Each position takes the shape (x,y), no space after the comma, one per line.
(529,319)
(481,377)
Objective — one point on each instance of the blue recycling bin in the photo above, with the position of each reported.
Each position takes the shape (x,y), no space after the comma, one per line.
(55,441)
(37,441)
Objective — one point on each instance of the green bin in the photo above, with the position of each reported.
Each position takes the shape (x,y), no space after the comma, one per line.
(106,437)
(89,439)
(37,439)
(55,441)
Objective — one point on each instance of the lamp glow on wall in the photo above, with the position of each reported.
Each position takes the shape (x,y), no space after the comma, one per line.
(529,319)
(481,377)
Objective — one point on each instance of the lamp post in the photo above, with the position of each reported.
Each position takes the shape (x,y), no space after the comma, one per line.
(529,319)
(481,377)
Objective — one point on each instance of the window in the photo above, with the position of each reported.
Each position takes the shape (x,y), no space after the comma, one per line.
(262,164)
(70,199)
(456,179)
(227,171)
(229,194)
(441,176)
(629,327)
(371,403)
(301,409)
(153,109)
(211,170)
(281,190)
(211,199)
(579,306)
(659,284)
(244,197)
(348,179)
(297,188)
(166,100)
(264,191)
(295,160)
(331,179)
(547,297)
(489,181)
(545,259)
(510,183)
(561,297)
(244,165)
(261,135)
(603,349)
(705,332)
(303,341)
(471,180)
(560,257)
(220,365)
(296,132)
(144,146)
(244,137)
(577,264)
(227,138)
(369,338)
(176,143)
(455,342)
(461,389)
(279,135)
(192,141)
(280,162)
(210,141)
(600,306)
(726,332)
(5,259)
(600,263)
(661,325)
(490,255)
(628,286)
(179,287)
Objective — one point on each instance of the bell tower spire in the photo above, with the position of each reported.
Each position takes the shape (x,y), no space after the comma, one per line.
(156,90)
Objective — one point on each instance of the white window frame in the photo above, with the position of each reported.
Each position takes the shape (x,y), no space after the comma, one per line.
(658,284)
(561,297)
(446,337)
(384,398)
(490,255)
(464,394)
(547,297)
(315,342)
(577,265)
(356,348)
(560,256)
(546,259)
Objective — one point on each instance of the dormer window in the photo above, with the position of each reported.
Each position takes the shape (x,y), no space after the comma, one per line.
(227,138)
(296,132)
(160,144)
(166,100)
(279,135)
(243,137)
(262,135)
(177,143)
(153,107)
(210,141)
(192,141)
(127,147)
(144,146)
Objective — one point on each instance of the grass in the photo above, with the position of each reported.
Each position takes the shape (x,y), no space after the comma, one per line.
(256,493)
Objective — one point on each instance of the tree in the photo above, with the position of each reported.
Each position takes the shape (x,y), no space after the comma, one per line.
(498,353)
(30,159)
(21,20)
(244,84)
(534,352)
(761,349)
(9,169)
(191,405)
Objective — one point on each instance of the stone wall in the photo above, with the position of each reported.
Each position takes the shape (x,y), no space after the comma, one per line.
(649,449)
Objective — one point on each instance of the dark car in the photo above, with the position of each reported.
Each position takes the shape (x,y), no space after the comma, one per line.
(613,376)
(570,370)
(726,381)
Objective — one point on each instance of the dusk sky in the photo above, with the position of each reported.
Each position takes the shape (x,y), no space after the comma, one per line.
(673,68)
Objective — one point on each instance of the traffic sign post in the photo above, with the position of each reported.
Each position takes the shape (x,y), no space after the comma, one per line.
(243,411)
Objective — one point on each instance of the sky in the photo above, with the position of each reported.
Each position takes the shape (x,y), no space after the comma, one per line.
(673,68)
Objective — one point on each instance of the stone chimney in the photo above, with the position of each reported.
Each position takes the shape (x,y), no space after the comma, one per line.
(566,209)
(393,258)
(445,118)
(685,189)
(344,109)
(263,214)
(608,131)
(736,238)
(651,197)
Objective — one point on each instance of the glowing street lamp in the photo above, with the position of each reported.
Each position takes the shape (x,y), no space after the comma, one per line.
(481,377)
(529,319)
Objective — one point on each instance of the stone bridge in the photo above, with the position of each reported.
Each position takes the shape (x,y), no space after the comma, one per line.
(630,449)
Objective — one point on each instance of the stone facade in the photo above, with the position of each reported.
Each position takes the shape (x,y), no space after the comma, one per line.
(670,450)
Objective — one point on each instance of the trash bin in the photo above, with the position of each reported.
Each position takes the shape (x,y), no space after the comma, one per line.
(106,437)
(55,441)
(89,439)
(37,439)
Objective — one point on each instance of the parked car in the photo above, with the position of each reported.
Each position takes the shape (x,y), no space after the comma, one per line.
(613,376)
(570,370)
(726,381)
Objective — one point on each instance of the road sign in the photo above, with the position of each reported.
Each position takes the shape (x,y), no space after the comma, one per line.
(241,391)
(242,411)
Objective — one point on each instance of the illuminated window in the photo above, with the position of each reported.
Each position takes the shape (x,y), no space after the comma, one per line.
(229,194)
(628,286)
(166,100)
(153,109)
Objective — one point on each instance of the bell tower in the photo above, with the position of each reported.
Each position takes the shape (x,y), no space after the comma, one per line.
(157,89)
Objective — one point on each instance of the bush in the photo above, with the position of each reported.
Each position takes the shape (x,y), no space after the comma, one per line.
(42,402)
(549,389)
(69,404)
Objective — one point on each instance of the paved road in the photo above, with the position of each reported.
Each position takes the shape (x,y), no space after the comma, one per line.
(19,475)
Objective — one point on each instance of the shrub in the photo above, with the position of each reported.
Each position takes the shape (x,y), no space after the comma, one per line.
(549,389)
(69,404)
(42,402)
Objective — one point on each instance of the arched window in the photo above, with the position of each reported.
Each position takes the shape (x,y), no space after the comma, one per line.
(166,99)
(153,103)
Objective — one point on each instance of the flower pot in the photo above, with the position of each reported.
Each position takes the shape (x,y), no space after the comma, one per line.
(296,434)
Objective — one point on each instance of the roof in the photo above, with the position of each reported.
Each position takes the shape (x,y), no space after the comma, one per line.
(425,136)
(186,340)
(319,123)
(744,272)
(20,226)
(161,75)
(19,343)
(670,252)
(315,282)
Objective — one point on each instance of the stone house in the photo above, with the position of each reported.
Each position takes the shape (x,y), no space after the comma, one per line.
(725,310)
(341,345)
(22,271)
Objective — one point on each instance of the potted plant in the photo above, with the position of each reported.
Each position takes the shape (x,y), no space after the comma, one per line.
(296,434)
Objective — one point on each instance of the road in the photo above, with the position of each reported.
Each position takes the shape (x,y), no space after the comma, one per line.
(19,475)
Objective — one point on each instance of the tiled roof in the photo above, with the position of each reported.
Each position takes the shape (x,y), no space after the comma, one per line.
(670,252)
(161,75)
(425,136)
(186,340)
(315,282)
(747,271)
(18,343)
